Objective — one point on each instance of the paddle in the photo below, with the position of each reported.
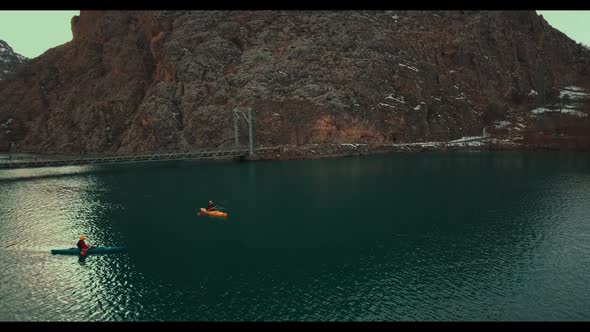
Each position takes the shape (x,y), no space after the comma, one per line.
(220,207)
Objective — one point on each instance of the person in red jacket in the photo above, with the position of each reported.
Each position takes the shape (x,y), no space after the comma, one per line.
(210,207)
(82,245)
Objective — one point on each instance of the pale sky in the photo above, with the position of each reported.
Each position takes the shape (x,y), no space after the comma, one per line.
(574,23)
(31,33)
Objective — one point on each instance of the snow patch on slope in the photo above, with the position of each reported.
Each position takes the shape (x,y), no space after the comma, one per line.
(571,99)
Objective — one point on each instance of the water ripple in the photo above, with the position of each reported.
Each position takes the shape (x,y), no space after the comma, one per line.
(510,244)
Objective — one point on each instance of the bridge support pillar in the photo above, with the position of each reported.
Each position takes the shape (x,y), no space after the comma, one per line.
(249,119)
(236,129)
(250,135)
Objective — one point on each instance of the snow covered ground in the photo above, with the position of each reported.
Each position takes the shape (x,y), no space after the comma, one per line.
(473,141)
(463,141)
(572,97)
(565,110)
(501,124)
(352,145)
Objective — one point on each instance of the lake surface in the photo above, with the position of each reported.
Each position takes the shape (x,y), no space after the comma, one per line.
(426,236)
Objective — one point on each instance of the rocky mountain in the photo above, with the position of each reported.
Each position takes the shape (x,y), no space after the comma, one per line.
(9,60)
(170,80)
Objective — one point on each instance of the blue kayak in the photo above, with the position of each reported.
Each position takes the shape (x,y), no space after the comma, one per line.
(90,251)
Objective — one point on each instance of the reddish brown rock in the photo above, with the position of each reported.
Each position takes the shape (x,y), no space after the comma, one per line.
(145,81)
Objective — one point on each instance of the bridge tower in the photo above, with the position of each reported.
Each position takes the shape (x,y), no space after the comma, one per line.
(238,115)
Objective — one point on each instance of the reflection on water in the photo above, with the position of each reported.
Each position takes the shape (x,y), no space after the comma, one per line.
(39,215)
(465,236)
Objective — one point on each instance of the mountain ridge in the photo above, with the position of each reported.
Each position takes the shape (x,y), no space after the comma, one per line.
(170,80)
(9,60)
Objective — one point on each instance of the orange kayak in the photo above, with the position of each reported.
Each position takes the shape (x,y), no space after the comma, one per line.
(214,213)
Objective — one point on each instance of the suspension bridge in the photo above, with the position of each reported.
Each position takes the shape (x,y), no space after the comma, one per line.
(60,160)
(236,152)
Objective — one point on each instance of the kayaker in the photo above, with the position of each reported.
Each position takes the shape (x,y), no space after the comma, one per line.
(211,207)
(81,244)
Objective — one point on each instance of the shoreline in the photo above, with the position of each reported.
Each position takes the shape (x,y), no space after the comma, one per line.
(325,151)
(342,150)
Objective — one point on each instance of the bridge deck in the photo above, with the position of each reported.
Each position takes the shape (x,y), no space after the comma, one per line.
(47,161)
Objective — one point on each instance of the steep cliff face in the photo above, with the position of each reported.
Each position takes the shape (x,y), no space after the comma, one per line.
(140,81)
(9,60)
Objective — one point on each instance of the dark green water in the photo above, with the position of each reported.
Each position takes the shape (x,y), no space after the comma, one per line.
(462,236)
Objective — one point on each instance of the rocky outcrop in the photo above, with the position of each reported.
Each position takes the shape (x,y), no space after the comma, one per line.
(145,81)
(9,60)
